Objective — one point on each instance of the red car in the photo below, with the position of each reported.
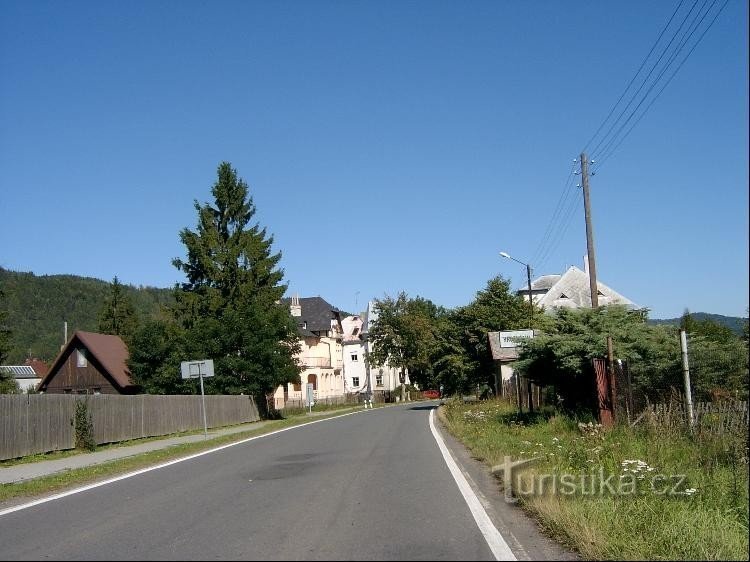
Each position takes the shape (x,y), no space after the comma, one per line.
(431,394)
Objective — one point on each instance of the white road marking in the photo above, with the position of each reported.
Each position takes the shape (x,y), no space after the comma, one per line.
(495,540)
(156,467)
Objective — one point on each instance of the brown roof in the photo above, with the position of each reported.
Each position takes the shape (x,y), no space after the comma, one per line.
(110,351)
(40,367)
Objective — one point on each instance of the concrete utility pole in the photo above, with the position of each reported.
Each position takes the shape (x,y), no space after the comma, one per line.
(589,232)
(686,378)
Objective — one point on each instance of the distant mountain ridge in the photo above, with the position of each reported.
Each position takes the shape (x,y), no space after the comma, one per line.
(734,323)
(39,305)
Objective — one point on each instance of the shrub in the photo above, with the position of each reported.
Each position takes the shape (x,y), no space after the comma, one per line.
(84,427)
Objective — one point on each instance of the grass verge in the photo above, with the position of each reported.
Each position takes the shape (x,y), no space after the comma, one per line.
(626,493)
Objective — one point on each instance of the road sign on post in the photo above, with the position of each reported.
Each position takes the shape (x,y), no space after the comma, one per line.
(310,396)
(198,370)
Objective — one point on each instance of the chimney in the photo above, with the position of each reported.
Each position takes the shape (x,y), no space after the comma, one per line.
(295,309)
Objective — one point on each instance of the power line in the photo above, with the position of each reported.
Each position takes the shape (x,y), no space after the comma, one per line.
(609,152)
(558,209)
(611,111)
(595,150)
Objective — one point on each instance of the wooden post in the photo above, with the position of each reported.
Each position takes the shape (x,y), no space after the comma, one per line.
(611,374)
(686,378)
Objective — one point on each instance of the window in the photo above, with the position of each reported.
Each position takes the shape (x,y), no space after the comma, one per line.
(378,380)
(355,381)
(81,362)
(355,357)
(297,387)
(355,331)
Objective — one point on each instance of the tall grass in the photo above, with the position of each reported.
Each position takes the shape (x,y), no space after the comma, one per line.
(704,516)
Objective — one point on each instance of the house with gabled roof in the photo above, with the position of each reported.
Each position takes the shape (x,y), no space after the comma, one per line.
(321,353)
(570,290)
(90,363)
(29,375)
(384,379)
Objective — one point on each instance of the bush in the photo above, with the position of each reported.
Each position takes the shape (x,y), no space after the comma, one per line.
(84,427)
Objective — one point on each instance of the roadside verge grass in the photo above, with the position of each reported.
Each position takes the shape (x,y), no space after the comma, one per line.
(625,493)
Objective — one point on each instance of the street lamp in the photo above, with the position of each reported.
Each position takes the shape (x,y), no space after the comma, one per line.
(528,279)
(531,322)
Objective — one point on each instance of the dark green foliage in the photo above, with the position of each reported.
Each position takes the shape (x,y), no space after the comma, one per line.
(84,427)
(562,357)
(156,350)
(37,307)
(463,358)
(228,310)
(117,316)
(405,336)
(447,347)
(8,384)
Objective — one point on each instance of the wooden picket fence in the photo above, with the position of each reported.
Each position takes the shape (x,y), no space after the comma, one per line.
(40,423)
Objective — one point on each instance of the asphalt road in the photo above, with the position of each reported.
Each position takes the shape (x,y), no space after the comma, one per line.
(369,486)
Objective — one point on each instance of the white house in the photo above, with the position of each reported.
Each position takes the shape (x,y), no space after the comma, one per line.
(321,353)
(570,290)
(29,375)
(382,379)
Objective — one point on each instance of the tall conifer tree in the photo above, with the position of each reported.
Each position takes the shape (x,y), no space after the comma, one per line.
(117,316)
(229,304)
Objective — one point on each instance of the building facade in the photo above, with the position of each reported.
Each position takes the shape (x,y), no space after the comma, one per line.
(321,353)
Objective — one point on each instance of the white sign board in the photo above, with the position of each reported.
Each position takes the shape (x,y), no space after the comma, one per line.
(510,339)
(310,394)
(195,369)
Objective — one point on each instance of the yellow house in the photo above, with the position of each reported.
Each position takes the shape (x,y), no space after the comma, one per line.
(321,354)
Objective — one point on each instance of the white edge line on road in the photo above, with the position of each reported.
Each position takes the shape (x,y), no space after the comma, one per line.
(495,540)
(156,467)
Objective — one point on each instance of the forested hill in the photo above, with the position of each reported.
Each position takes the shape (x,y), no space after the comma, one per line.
(38,306)
(734,323)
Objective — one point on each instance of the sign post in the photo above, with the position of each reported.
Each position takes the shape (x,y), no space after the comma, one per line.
(310,396)
(199,369)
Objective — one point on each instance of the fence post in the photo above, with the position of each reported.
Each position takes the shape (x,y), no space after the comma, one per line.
(686,377)
(611,375)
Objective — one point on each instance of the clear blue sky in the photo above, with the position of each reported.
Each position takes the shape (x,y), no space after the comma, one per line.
(388,145)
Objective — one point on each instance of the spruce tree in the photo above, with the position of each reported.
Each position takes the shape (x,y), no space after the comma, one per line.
(229,305)
(8,384)
(117,315)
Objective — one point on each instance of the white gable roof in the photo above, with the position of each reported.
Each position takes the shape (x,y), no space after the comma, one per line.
(572,290)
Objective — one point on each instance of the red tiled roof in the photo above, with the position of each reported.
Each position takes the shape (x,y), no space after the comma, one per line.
(40,367)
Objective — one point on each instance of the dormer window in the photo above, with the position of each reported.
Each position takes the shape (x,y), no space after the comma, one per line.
(355,331)
(563,296)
